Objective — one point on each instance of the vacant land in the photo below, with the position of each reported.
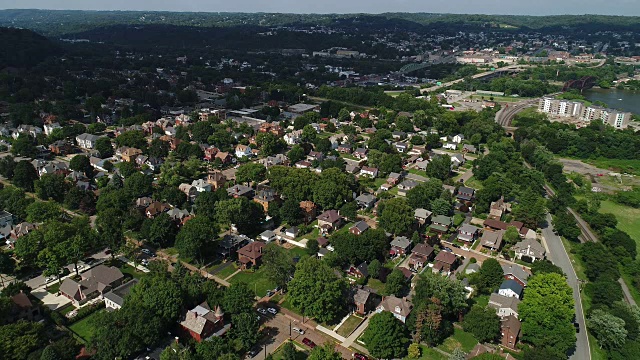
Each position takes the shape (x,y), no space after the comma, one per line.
(628,219)
(459,339)
(256,281)
(617,165)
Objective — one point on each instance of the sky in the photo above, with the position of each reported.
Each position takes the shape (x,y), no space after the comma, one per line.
(516,7)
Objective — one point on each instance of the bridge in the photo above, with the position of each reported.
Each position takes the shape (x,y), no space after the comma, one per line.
(586,82)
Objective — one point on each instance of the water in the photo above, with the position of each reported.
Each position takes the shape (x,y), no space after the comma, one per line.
(616,99)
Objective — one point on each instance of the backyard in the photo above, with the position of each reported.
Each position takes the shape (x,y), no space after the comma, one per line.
(461,339)
(427,353)
(255,280)
(85,328)
(225,270)
(349,325)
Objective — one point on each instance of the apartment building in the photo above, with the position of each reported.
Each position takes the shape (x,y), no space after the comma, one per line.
(577,110)
(559,107)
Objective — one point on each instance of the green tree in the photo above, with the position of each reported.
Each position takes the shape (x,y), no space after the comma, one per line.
(483,323)
(325,352)
(42,211)
(309,134)
(451,293)
(278,264)
(312,247)
(296,154)
(81,164)
(439,167)
(251,172)
(344,115)
(51,186)
(608,329)
(194,236)
(547,312)
(24,175)
(545,266)
(19,339)
(316,291)
(49,353)
(133,138)
(458,354)
(374,268)
(396,283)
(270,144)
(490,276)
(241,212)
(422,195)
(414,351)
(511,235)
(104,147)
(245,329)
(238,299)
(290,212)
(441,207)
(213,348)
(162,231)
(289,351)
(396,216)
(349,210)
(385,337)
(138,184)
(24,146)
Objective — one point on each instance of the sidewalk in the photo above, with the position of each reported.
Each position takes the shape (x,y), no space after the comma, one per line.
(351,341)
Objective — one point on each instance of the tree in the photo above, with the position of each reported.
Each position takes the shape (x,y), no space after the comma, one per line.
(137,185)
(441,207)
(278,264)
(41,211)
(385,336)
(290,212)
(322,145)
(19,339)
(547,312)
(439,167)
(159,295)
(312,247)
(251,172)
(451,293)
(81,164)
(316,291)
(296,154)
(608,329)
(162,231)
(132,138)
(333,188)
(213,348)
(489,277)
(545,266)
(458,354)
(483,323)
(241,212)
(24,175)
(414,351)
(158,148)
(396,283)
(245,329)
(238,299)
(206,202)
(422,195)
(349,210)
(325,352)
(270,144)
(51,186)
(396,216)
(24,146)
(104,147)
(309,134)
(289,351)
(374,268)
(344,115)
(49,353)
(511,235)
(194,236)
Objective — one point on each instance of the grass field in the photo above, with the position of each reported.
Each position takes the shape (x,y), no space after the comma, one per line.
(617,165)
(459,339)
(628,219)
(376,285)
(226,272)
(596,352)
(84,328)
(427,353)
(256,281)
(349,325)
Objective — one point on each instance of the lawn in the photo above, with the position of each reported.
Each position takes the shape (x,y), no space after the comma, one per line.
(391,264)
(84,328)
(627,219)
(287,305)
(257,281)
(54,287)
(459,339)
(349,325)
(300,355)
(297,251)
(596,352)
(128,269)
(473,183)
(427,353)
(226,272)
(482,300)
(376,285)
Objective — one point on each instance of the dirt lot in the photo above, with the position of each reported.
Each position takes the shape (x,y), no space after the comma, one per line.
(601,177)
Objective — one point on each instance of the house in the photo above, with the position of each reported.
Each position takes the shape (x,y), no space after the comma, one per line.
(529,248)
(216,179)
(510,330)
(6,218)
(154,163)
(87,141)
(156,208)
(472,268)
(243,151)
(450,146)
(394,178)
(422,165)
(308,209)
(369,171)
(457,160)
(423,216)
(359,227)
(498,208)
(266,197)
(144,201)
(405,186)
(466,193)
(201,185)
(399,307)
(60,147)
(267,236)
(291,233)
(366,201)
(49,128)
(251,254)
(224,157)
(420,256)
(466,148)
(345,149)
(129,154)
(230,244)
(441,224)
(188,190)
(468,233)
(21,230)
(492,240)
(114,299)
(352,168)
(201,322)
(303,164)
(95,282)
(362,300)
(401,147)
(238,190)
(294,137)
(329,221)
(400,246)
(398,135)
(445,262)
(361,271)
(516,273)
(179,216)
(21,308)
(209,152)
(315,156)
(511,288)
(504,305)
(458,138)
(360,153)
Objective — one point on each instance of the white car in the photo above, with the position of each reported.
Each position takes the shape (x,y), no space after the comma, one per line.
(298,330)
(262,311)
(272,310)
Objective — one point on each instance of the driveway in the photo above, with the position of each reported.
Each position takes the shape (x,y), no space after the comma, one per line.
(51,301)
(558,255)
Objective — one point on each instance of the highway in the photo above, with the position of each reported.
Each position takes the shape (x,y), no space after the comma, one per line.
(476,76)
(558,255)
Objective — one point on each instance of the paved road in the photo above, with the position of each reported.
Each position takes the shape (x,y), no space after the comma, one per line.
(558,255)
(476,76)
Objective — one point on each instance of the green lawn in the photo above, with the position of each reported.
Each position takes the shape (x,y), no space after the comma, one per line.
(459,339)
(84,328)
(298,251)
(378,182)
(427,353)
(287,305)
(628,219)
(54,287)
(376,285)
(349,325)
(473,183)
(226,272)
(391,264)
(482,300)
(128,269)
(617,165)
(279,354)
(417,172)
(257,281)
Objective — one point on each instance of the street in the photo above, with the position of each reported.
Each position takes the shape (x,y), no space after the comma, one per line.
(558,255)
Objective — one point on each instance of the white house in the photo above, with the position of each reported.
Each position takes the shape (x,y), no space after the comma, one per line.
(48,128)
(450,146)
(511,288)
(243,151)
(87,141)
(505,306)
(530,248)
(293,137)
(201,185)
(458,139)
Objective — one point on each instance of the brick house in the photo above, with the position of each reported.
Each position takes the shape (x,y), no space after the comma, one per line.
(251,254)
(309,210)
(201,322)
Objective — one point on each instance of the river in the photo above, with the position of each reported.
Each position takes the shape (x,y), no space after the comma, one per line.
(616,99)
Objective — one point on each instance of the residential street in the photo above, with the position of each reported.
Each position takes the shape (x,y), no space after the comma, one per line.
(558,255)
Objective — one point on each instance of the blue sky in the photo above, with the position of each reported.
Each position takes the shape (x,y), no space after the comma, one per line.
(538,7)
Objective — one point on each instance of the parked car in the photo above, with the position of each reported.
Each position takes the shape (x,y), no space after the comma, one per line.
(272,310)
(269,293)
(309,343)
(262,311)
(298,330)
(357,356)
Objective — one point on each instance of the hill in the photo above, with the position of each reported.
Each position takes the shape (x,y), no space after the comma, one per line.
(23,48)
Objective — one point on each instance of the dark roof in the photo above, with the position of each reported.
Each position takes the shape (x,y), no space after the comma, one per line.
(423,249)
(322,241)
(21,300)
(252,250)
(118,294)
(361,225)
(513,285)
(364,269)
(446,257)
(329,216)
